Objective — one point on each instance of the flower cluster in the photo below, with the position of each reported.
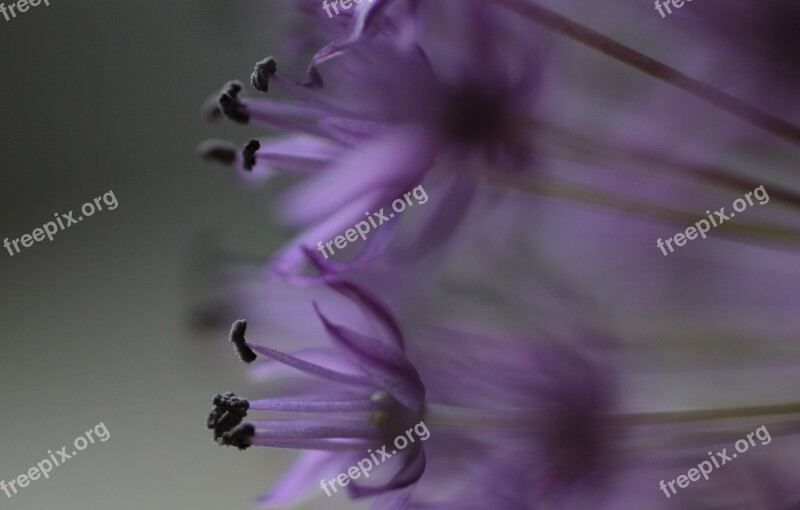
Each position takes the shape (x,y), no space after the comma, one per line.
(514,314)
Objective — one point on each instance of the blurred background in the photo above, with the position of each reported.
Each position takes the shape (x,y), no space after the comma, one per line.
(100,96)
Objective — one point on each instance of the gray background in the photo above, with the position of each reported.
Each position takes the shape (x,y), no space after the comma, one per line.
(100,96)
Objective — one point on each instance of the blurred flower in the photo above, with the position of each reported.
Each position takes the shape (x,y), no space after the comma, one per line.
(372,133)
(530,418)
(452,94)
(369,379)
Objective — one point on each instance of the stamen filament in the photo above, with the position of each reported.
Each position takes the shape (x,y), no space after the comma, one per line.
(310,368)
(282,405)
(291,430)
(310,444)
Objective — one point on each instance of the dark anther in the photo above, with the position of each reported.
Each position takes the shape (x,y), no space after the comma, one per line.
(228,412)
(249,154)
(228,401)
(217,151)
(237,337)
(238,437)
(214,417)
(230,105)
(224,423)
(262,73)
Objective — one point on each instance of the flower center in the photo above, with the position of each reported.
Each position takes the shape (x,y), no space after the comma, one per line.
(471,114)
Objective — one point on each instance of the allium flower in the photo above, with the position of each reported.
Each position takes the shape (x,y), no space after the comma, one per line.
(374,132)
(368,380)
(553,438)
(364,20)
(495,406)
(523,406)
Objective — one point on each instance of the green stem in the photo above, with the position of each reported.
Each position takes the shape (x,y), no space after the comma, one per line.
(712,174)
(618,51)
(469,419)
(674,217)
(673,417)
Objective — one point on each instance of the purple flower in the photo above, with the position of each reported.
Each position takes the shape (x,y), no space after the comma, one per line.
(370,393)
(365,20)
(546,409)
(373,132)
(495,406)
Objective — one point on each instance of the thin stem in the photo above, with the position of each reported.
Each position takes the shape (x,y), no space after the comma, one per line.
(618,51)
(667,215)
(672,417)
(682,441)
(464,418)
(710,173)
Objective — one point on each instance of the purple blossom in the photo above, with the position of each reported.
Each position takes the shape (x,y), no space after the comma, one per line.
(453,94)
(371,393)
(372,133)
(500,399)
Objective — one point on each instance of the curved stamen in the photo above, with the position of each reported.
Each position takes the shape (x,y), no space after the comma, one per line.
(247,351)
(237,338)
(311,368)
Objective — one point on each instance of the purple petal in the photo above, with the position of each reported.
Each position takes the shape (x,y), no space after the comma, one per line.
(383,169)
(410,473)
(291,259)
(446,217)
(386,364)
(373,308)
